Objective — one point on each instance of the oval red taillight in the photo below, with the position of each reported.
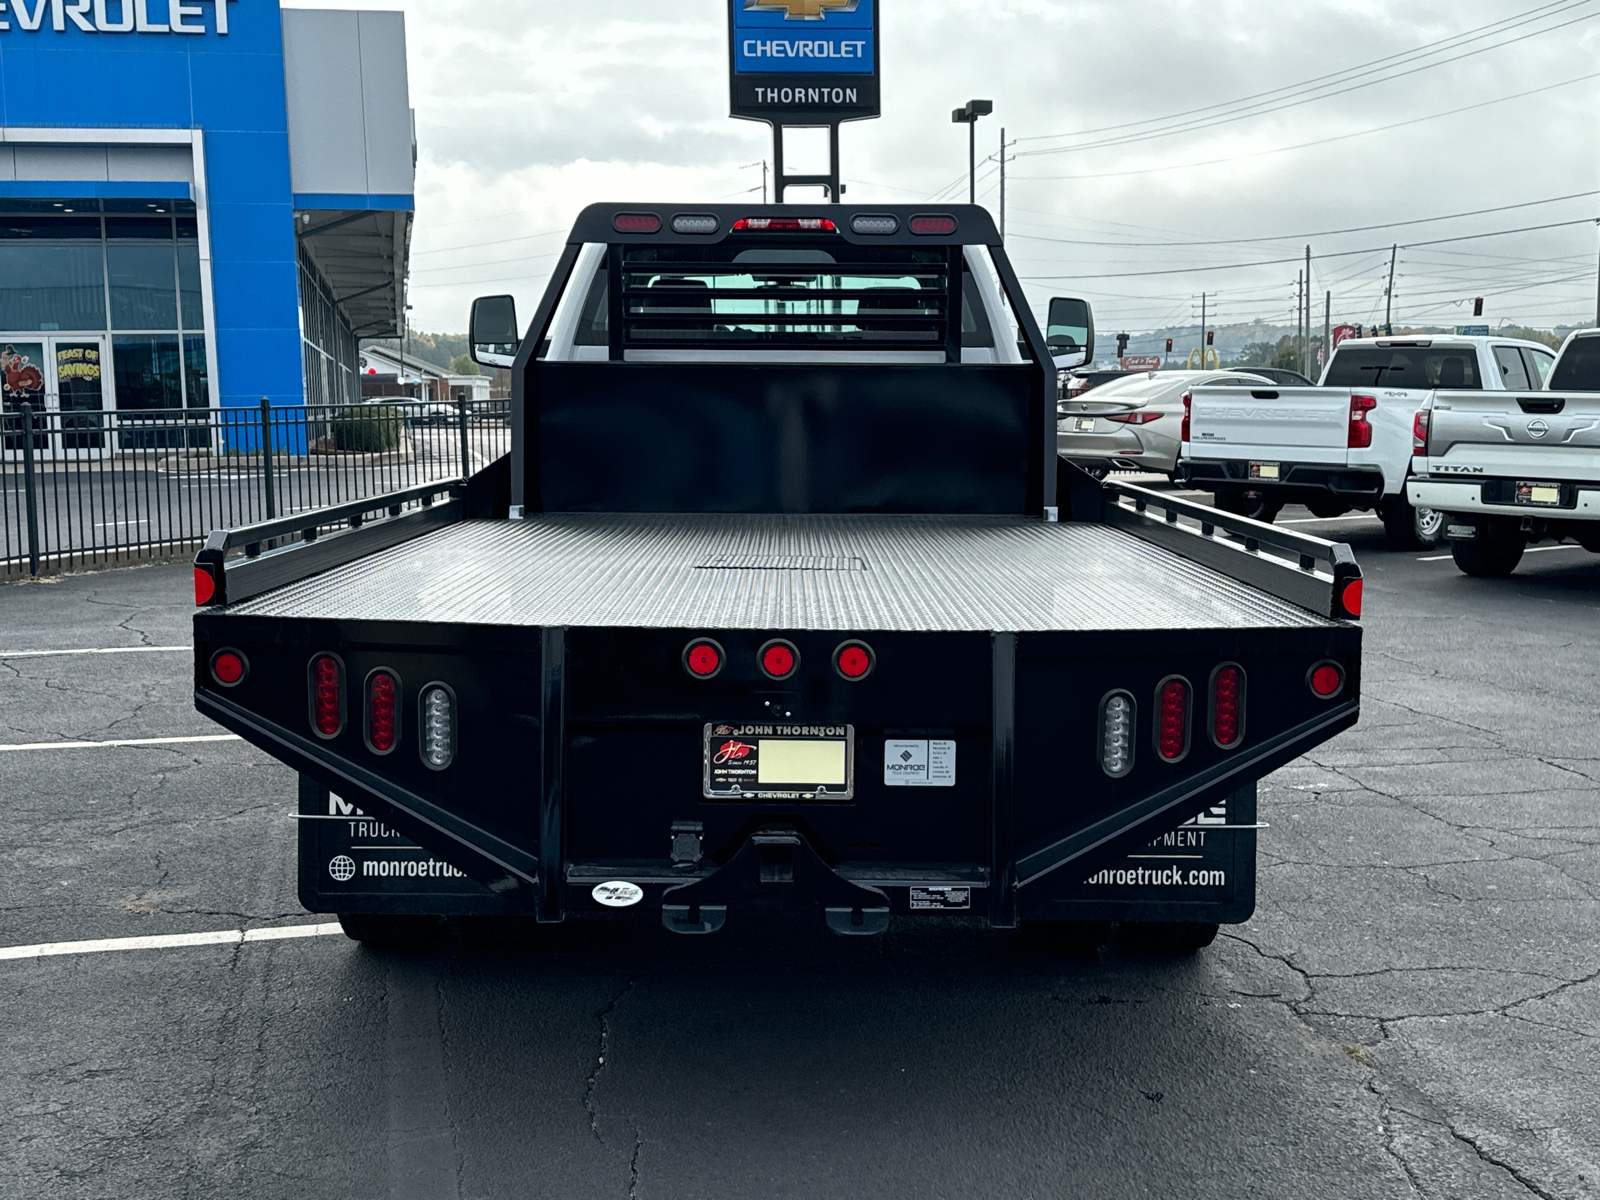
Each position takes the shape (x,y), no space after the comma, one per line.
(854,660)
(383,711)
(702,658)
(1227,707)
(228,667)
(779,659)
(636,223)
(1172,719)
(932,225)
(327,696)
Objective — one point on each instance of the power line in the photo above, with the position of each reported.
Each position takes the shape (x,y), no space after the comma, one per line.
(1189,120)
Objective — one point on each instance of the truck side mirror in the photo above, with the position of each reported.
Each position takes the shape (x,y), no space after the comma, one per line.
(1069,332)
(493,331)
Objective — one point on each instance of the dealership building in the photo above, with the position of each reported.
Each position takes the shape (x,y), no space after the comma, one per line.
(203,203)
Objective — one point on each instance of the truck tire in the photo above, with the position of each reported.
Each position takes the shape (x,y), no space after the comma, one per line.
(384,929)
(1409,528)
(1494,554)
(1169,939)
(1327,507)
(1258,506)
(1067,937)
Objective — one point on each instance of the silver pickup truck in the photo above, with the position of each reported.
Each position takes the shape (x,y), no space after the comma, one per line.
(1512,467)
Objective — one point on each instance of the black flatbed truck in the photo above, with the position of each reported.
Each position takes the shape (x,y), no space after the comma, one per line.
(781,601)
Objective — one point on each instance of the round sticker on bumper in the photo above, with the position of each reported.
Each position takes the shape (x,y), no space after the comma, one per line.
(618,894)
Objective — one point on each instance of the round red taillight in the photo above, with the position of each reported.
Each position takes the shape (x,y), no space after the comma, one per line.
(702,658)
(228,667)
(1327,680)
(1351,597)
(383,711)
(854,660)
(779,659)
(205,586)
(327,696)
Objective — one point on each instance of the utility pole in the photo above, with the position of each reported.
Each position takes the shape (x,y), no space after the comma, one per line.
(1388,296)
(1002,183)
(763,181)
(1306,370)
(1327,329)
(1597,297)
(1202,331)
(1299,316)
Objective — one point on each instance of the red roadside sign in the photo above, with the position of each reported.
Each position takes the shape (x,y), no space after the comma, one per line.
(1141,362)
(1340,332)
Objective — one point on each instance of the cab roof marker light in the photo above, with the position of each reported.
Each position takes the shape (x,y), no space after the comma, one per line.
(636,223)
(784,225)
(1118,715)
(701,223)
(875,224)
(436,726)
(934,225)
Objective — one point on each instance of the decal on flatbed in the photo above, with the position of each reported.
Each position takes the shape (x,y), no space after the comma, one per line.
(953,899)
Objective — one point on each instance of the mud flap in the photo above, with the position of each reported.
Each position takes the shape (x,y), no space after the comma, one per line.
(776,871)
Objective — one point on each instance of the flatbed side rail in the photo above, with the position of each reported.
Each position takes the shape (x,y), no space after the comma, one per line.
(236,564)
(1316,574)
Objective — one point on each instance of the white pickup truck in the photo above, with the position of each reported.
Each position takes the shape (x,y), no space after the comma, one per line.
(1345,444)
(1511,467)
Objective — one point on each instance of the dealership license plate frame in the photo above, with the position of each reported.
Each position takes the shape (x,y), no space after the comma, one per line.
(1085,425)
(1528,493)
(734,756)
(1269,472)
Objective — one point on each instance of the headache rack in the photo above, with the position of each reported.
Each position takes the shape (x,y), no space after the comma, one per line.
(760,293)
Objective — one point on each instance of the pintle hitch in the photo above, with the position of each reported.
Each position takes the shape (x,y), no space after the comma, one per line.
(776,870)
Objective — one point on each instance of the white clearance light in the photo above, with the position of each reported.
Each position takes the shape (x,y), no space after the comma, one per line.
(1116,734)
(694,223)
(438,723)
(874,224)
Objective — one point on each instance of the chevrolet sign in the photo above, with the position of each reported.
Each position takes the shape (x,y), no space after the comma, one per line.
(803,61)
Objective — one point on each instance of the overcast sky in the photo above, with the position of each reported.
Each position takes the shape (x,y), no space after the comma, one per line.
(529,109)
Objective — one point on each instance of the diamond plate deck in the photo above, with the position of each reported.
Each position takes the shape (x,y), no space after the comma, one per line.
(917,574)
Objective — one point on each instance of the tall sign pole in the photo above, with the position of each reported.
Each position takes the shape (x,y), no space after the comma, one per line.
(803,64)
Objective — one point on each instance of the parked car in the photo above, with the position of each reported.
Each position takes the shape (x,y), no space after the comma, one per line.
(1133,423)
(1075,383)
(1345,445)
(1508,467)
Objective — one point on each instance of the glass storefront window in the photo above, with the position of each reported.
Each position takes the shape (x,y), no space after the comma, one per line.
(144,285)
(195,371)
(147,372)
(49,287)
(189,286)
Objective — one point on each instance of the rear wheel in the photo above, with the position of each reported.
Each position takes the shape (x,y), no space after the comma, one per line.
(1493,554)
(1327,507)
(1067,937)
(1411,528)
(1247,502)
(384,929)
(1169,939)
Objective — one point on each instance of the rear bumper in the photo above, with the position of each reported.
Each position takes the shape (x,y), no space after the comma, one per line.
(1120,449)
(1353,483)
(1491,497)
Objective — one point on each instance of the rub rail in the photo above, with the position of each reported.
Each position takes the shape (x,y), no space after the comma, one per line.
(1316,574)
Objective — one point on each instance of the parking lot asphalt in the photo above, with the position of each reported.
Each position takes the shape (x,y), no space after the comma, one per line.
(1413,1011)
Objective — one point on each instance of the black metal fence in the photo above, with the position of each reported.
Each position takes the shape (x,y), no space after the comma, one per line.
(89,488)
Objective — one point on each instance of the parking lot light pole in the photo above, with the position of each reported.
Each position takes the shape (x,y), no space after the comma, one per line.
(968,116)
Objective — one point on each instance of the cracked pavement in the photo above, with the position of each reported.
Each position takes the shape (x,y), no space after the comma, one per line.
(1413,1011)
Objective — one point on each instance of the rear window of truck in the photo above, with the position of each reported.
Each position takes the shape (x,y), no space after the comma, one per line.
(1404,367)
(1578,369)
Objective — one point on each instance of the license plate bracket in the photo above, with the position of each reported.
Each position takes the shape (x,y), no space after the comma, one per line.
(1538,495)
(1269,471)
(1085,424)
(770,761)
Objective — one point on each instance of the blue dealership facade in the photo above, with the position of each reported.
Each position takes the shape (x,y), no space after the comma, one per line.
(203,203)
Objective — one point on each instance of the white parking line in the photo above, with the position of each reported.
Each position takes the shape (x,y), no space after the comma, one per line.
(112,650)
(170,941)
(161,741)
(1529,550)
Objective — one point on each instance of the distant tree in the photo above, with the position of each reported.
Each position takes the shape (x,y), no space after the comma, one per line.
(1549,338)
(462,364)
(1255,354)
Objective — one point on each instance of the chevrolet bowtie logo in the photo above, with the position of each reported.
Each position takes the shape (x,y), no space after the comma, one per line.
(800,10)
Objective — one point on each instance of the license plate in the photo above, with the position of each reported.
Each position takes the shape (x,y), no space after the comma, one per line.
(1544,495)
(779,762)
(1263,470)
(1085,424)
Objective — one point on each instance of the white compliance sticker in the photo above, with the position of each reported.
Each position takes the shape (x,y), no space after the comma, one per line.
(919,763)
(618,894)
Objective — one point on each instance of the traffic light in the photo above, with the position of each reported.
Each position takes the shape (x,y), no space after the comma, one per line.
(1169,345)
(1122,344)
(1477,307)
(1211,337)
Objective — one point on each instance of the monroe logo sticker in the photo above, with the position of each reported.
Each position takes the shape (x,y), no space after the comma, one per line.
(617,894)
